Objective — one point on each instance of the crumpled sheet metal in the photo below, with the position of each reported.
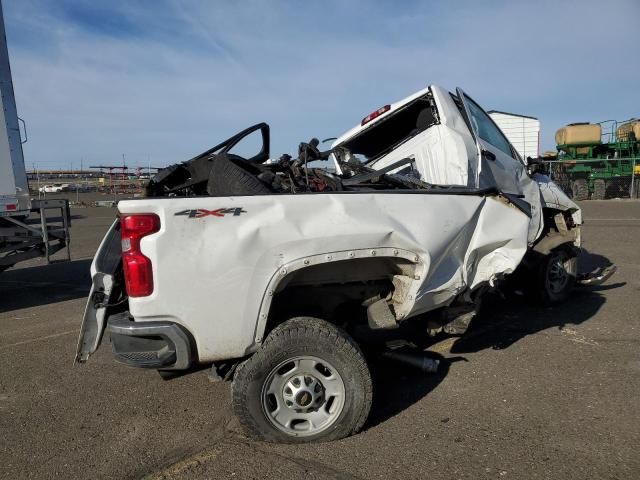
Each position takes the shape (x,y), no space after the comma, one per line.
(220,267)
(554,197)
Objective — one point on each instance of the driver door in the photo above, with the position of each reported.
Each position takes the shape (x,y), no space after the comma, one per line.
(500,166)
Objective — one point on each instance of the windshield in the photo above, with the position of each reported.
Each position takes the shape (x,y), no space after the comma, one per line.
(392,131)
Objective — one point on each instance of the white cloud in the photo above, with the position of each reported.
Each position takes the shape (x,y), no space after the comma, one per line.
(192,74)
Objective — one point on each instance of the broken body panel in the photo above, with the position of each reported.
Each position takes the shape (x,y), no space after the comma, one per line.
(220,261)
(217,282)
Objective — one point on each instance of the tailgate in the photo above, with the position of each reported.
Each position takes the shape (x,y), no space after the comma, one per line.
(103,269)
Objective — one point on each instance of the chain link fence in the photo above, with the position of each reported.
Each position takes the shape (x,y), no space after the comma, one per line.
(597,179)
(86,190)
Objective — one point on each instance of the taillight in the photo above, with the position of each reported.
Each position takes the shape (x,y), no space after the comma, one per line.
(138,271)
(374,115)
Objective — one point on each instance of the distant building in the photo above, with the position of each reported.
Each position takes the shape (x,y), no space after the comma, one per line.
(522,131)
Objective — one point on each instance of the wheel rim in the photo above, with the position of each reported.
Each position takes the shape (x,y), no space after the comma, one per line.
(303,396)
(559,272)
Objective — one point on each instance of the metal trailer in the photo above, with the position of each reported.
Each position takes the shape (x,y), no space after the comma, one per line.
(27,229)
(522,131)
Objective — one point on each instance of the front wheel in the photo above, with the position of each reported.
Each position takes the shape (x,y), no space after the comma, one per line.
(556,276)
(308,382)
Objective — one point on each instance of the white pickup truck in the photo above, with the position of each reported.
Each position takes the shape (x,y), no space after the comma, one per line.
(279,271)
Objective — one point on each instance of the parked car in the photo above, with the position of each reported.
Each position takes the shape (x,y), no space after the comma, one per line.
(54,188)
(279,273)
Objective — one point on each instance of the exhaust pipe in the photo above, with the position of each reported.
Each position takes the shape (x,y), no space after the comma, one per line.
(416,360)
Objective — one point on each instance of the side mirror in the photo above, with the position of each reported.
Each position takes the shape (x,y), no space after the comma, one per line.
(489,155)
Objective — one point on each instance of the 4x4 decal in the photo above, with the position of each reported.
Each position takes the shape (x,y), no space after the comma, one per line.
(218,212)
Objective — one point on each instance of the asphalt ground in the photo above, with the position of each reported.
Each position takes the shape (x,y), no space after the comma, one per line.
(528,392)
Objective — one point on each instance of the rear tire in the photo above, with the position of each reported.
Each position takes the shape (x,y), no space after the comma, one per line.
(580,189)
(309,382)
(599,189)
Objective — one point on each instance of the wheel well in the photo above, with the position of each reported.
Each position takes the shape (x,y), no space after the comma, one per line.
(338,291)
(558,230)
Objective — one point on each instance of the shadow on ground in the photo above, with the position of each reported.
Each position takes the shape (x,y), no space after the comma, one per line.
(501,323)
(588,261)
(396,387)
(43,285)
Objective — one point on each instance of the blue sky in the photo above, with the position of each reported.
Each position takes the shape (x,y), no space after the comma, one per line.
(167,79)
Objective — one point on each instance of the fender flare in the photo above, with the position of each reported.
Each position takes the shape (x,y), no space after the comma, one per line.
(330,257)
(553,240)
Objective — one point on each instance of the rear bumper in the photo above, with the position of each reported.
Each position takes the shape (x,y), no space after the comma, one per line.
(162,345)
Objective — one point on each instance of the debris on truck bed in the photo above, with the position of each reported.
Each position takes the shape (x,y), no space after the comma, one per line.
(218,172)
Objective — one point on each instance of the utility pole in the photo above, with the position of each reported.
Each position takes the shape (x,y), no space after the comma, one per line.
(77,185)
(81,173)
(37,178)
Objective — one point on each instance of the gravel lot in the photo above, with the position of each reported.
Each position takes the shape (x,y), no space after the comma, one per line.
(530,392)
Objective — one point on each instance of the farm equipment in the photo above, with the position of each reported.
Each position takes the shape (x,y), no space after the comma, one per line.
(599,160)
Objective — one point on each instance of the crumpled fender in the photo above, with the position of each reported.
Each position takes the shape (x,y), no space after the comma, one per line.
(555,198)
(553,240)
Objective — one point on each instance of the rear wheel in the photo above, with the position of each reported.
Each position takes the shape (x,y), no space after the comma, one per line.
(599,189)
(308,382)
(580,189)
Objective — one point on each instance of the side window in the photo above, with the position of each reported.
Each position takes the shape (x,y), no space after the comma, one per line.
(486,129)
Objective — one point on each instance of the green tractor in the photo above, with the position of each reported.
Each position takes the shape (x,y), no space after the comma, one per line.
(596,165)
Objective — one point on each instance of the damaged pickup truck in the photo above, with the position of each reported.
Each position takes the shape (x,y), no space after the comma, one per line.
(278,272)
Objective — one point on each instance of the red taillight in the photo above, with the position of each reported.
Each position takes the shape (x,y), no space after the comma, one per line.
(138,271)
(374,115)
